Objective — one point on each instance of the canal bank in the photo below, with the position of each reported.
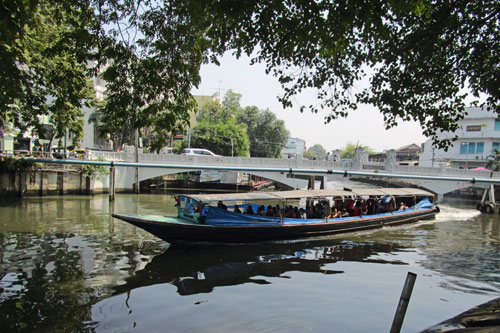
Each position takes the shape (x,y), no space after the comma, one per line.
(50,181)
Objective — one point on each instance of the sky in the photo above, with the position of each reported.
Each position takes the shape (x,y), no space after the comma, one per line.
(364,126)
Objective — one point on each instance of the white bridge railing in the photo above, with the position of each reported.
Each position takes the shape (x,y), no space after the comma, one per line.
(293,163)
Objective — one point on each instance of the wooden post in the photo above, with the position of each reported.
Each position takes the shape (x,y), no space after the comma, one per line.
(137,187)
(403,303)
(112,172)
(41,183)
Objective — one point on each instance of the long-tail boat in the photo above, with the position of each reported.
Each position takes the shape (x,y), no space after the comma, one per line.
(224,218)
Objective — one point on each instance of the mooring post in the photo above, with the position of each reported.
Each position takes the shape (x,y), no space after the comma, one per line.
(112,172)
(403,302)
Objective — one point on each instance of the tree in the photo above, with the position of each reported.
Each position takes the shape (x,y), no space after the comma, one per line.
(223,138)
(316,152)
(45,47)
(494,160)
(148,79)
(217,128)
(349,150)
(267,134)
(215,111)
(423,58)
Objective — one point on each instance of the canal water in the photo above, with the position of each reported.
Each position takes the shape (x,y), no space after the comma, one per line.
(66,265)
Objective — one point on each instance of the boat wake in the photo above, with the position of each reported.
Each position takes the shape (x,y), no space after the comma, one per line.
(448,213)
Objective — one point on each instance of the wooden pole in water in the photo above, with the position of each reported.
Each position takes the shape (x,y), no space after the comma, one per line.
(403,302)
(112,173)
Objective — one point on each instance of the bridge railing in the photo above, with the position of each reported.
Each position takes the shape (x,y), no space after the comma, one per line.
(419,170)
(286,163)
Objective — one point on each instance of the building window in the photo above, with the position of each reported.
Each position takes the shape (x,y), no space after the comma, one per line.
(471,148)
(497,124)
(495,145)
(480,148)
(463,147)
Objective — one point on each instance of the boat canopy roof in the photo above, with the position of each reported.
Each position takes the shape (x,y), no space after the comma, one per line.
(311,194)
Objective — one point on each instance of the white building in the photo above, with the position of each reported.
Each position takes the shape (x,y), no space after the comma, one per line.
(478,134)
(293,147)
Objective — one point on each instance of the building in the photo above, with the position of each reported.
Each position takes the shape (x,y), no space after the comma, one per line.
(478,134)
(293,147)
(408,153)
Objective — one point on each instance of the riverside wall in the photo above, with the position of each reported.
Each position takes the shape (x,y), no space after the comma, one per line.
(49,182)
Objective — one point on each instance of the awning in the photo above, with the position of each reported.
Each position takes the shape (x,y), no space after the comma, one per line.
(310,194)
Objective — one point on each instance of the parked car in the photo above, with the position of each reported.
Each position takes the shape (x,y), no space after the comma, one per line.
(197,151)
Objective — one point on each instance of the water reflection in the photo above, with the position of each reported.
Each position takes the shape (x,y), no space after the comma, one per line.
(200,270)
(49,282)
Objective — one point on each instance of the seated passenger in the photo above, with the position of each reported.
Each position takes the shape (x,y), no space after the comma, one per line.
(237,209)
(344,213)
(334,213)
(302,214)
(402,206)
(250,210)
(269,211)
(221,205)
(290,213)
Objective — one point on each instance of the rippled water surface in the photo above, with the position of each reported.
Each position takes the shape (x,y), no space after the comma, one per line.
(66,265)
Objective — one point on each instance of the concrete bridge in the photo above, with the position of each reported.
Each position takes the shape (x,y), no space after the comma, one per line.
(302,169)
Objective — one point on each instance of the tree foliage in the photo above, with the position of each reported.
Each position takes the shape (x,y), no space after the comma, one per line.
(44,47)
(494,160)
(217,137)
(266,133)
(349,150)
(423,58)
(316,152)
(214,111)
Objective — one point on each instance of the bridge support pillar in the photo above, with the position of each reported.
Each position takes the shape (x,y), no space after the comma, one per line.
(310,185)
(324,183)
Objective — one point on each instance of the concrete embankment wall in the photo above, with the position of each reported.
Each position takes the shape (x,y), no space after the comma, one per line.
(49,182)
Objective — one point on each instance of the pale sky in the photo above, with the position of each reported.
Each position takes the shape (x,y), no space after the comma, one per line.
(365,125)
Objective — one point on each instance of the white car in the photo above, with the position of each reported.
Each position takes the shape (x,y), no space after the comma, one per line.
(197,151)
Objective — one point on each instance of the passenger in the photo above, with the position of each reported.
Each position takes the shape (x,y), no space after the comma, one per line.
(221,205)
(260,211)
(402,206)
(290,213)
(334,213)
(320,213)
(370,207)
(344,213)
(269,211)
(237,209)
(275,212)
(250,210)
(302,214)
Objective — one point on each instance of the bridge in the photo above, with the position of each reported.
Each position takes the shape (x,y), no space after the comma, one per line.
(294,172)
